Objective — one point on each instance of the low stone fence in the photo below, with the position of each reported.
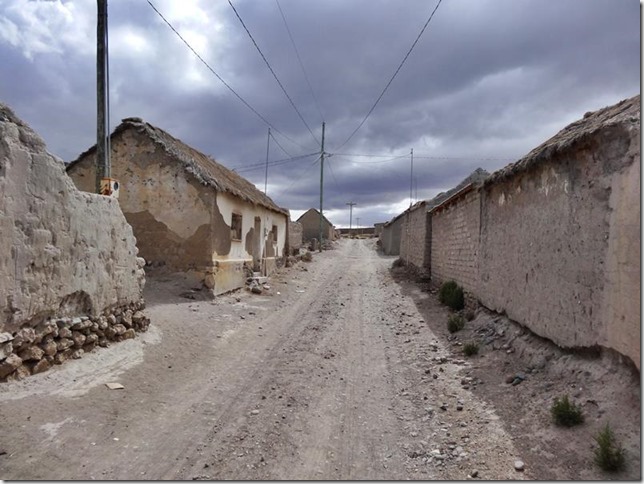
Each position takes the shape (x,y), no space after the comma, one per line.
(55,340)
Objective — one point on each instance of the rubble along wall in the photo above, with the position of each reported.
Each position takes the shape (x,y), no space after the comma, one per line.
(560,239)
(68,260)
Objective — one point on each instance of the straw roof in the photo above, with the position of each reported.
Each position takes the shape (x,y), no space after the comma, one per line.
(625,113)
(202,167)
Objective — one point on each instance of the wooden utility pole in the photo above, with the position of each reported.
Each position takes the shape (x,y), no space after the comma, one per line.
(103,169)
(268,141)
(321,181)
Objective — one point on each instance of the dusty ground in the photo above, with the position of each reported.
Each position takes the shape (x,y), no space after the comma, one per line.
(335,372)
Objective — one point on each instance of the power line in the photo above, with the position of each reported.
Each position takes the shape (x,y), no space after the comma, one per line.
(256,165)
(280,146)
(379,161)
(272,71)
(472,158)
(220,78)
(297,179)
(317,105)
(392,77)
(328,160)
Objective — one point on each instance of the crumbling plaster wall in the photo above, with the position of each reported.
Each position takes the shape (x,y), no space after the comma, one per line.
(269,247)
(55,240)
(64,255)
(455,241)
(560,244)
(153,186)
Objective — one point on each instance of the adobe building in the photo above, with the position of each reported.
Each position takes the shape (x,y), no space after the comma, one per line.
(310,221)
(188,212)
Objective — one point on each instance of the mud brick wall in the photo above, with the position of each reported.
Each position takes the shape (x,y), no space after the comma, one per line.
(454,235)
(63,254)
(560,239)
(294,236)
(390,237)
(413,239)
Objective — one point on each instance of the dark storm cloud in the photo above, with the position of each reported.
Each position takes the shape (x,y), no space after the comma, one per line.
(488,81)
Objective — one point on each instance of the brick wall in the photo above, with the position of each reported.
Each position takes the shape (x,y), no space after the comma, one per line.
(455,241)
(413,238)
(390,237)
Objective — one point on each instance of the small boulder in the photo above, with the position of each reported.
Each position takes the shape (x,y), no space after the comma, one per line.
(40,366)
(49,347)
(9,365)
(31,353)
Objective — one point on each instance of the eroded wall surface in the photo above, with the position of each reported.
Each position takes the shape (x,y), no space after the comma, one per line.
(560,244)
(64,254)
(170,211)
(455,242)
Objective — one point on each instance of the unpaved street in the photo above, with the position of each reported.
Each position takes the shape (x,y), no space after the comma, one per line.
(331,374)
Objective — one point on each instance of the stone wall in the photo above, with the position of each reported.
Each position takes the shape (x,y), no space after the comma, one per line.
(295,237)
(455,229)
(65,256)
(560,237)
(414,247)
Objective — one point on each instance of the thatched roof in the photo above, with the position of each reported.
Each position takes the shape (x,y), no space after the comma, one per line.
(199,165)
(625,113)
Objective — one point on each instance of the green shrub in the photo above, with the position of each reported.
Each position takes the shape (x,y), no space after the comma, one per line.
(451,294)
(565,413)
(470,349)
(608,454)
(455,323)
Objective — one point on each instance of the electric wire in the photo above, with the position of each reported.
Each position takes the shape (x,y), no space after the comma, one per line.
(392,77)
(298,178)
(280,146)
(299,59)
(332,174)
(262,164)
(272,71)
(238,96)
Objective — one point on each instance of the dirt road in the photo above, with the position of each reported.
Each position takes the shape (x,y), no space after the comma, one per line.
(332,373)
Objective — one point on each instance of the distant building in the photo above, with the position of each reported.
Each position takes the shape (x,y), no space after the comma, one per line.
(188,212)
(310,221)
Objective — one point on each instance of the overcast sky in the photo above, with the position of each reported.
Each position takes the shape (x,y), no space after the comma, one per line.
(488,81)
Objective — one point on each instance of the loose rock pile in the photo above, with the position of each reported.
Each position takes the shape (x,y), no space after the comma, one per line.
(33,350)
